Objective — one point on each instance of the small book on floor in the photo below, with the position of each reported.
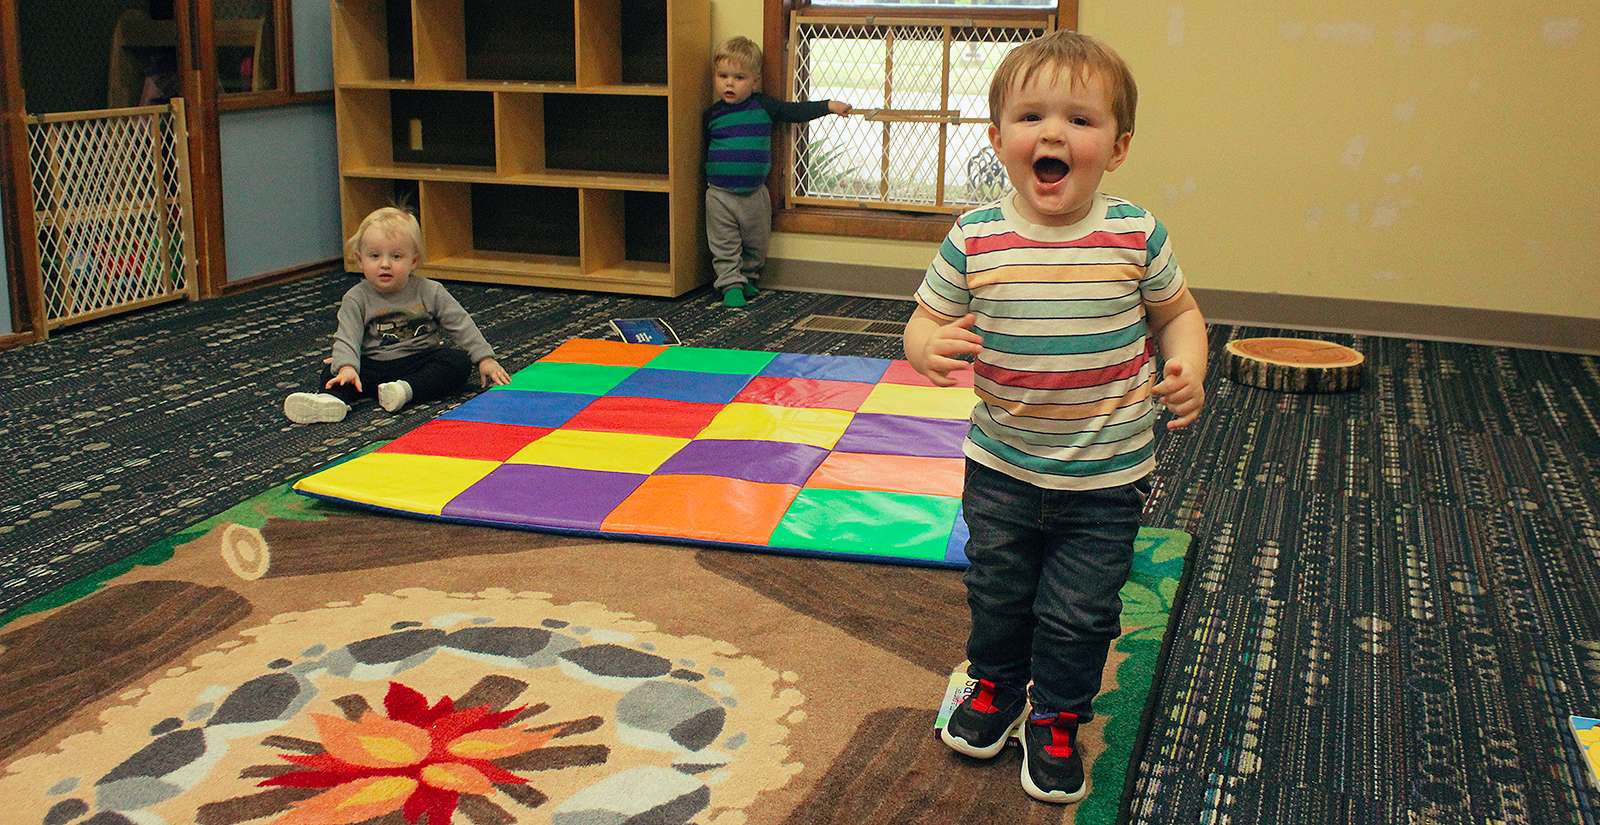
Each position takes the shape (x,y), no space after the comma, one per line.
(644,331)
(1587,731)
(957,689)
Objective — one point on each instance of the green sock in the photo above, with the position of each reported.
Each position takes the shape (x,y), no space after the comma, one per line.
(750,290)
(733,298)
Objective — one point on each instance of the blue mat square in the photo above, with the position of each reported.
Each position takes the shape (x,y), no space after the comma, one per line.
(530,409)
(676,385)
(830,367)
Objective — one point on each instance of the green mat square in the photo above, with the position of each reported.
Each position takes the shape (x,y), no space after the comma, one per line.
(557,376)
(868,522)
(706,359)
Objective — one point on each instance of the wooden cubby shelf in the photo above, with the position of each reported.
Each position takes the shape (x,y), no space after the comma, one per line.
(543,142)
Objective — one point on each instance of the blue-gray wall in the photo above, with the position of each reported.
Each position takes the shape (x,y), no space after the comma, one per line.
(280,167)
(280,189)
(5,293)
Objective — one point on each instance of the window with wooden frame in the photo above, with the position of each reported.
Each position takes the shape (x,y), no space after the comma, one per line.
(253,51)
(915,149)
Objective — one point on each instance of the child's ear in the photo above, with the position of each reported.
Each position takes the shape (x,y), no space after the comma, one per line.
(994,137)
(1119,151)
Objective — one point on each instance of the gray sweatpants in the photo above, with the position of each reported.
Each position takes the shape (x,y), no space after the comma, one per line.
(738,228)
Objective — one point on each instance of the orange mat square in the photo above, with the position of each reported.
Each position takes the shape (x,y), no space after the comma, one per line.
(610,353)
(890,473)
(708,508)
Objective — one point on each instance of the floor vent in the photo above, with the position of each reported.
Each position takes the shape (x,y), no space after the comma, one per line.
(855,326)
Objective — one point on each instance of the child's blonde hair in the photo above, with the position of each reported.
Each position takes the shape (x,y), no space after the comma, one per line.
(1072,55)
(742,52)
(393,222)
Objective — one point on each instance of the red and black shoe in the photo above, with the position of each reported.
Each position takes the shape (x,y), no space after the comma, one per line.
(1052,770)
(983,721)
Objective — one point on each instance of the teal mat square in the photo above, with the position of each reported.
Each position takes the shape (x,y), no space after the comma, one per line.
(868,523)
(557,376)
(706,359)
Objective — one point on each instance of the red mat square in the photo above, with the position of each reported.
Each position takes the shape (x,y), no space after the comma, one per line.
(901,372)
(648,416)
(815,393)
(466,439)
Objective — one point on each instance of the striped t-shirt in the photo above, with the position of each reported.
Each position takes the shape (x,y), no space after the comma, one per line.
(739,138)
(1064,378)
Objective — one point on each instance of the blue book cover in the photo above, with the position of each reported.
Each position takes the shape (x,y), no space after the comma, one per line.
(1587,731)
(644,330)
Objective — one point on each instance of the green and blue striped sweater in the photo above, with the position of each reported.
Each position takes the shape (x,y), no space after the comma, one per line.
(739,138)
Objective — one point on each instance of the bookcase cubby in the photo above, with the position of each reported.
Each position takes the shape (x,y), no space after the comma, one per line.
(543,142)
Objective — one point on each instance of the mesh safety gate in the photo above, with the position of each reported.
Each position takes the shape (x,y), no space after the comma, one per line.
(112,212)
(917,138)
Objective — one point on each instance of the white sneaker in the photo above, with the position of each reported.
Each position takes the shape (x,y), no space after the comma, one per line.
(394,395)
(314,408)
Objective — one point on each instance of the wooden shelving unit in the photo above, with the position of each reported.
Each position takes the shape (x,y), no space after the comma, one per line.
(546,143)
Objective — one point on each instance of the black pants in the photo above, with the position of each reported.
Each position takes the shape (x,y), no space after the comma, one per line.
(1046,568)
(432,374)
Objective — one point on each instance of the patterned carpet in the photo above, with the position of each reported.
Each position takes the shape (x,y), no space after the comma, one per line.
(1395,594)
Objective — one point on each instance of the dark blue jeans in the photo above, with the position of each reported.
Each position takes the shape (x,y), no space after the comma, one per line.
(1046,570)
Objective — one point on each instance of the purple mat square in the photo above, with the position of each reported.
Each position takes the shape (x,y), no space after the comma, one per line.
(534,495)
(773,462)
(903,435)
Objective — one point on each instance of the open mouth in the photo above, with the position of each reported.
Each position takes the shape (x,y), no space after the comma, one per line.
(1050,170)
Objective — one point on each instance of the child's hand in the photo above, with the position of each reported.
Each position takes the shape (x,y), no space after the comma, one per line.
(347,375)
(490,372)
(951,348)
(1183,395)
(839,107)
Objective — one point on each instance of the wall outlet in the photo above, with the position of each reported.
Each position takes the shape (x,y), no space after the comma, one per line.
(416,134)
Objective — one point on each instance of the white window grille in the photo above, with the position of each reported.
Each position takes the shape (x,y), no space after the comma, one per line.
(112,212)
(918,137)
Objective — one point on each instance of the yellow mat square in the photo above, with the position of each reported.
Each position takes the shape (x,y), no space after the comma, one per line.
(607,452)
(398,481)
(794,425)
(924,402)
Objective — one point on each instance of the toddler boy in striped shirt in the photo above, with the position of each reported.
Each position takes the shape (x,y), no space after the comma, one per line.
(1058,294)
(738,130)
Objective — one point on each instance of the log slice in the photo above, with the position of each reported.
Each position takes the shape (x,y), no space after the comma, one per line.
(1293,364)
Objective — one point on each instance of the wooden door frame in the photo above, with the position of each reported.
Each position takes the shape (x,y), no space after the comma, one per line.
(27,307)
(197,34)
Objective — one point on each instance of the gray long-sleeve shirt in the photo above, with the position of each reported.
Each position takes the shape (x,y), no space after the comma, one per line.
(415,319)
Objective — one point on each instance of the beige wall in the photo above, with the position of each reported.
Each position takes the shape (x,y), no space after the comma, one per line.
(1437,153)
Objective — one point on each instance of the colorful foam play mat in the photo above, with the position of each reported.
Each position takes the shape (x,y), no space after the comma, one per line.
(805,454)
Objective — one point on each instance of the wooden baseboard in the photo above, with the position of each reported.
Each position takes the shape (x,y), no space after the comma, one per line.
(841,279)
(16,339)
(1225,306)
(281,276)
(1491,327)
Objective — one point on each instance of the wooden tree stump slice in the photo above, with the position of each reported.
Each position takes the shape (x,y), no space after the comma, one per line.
(1294,364)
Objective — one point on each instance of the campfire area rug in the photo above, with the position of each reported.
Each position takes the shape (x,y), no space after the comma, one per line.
(293,661)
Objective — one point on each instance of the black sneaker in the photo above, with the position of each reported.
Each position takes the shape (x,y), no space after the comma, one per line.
(982,723)
(1052,770)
